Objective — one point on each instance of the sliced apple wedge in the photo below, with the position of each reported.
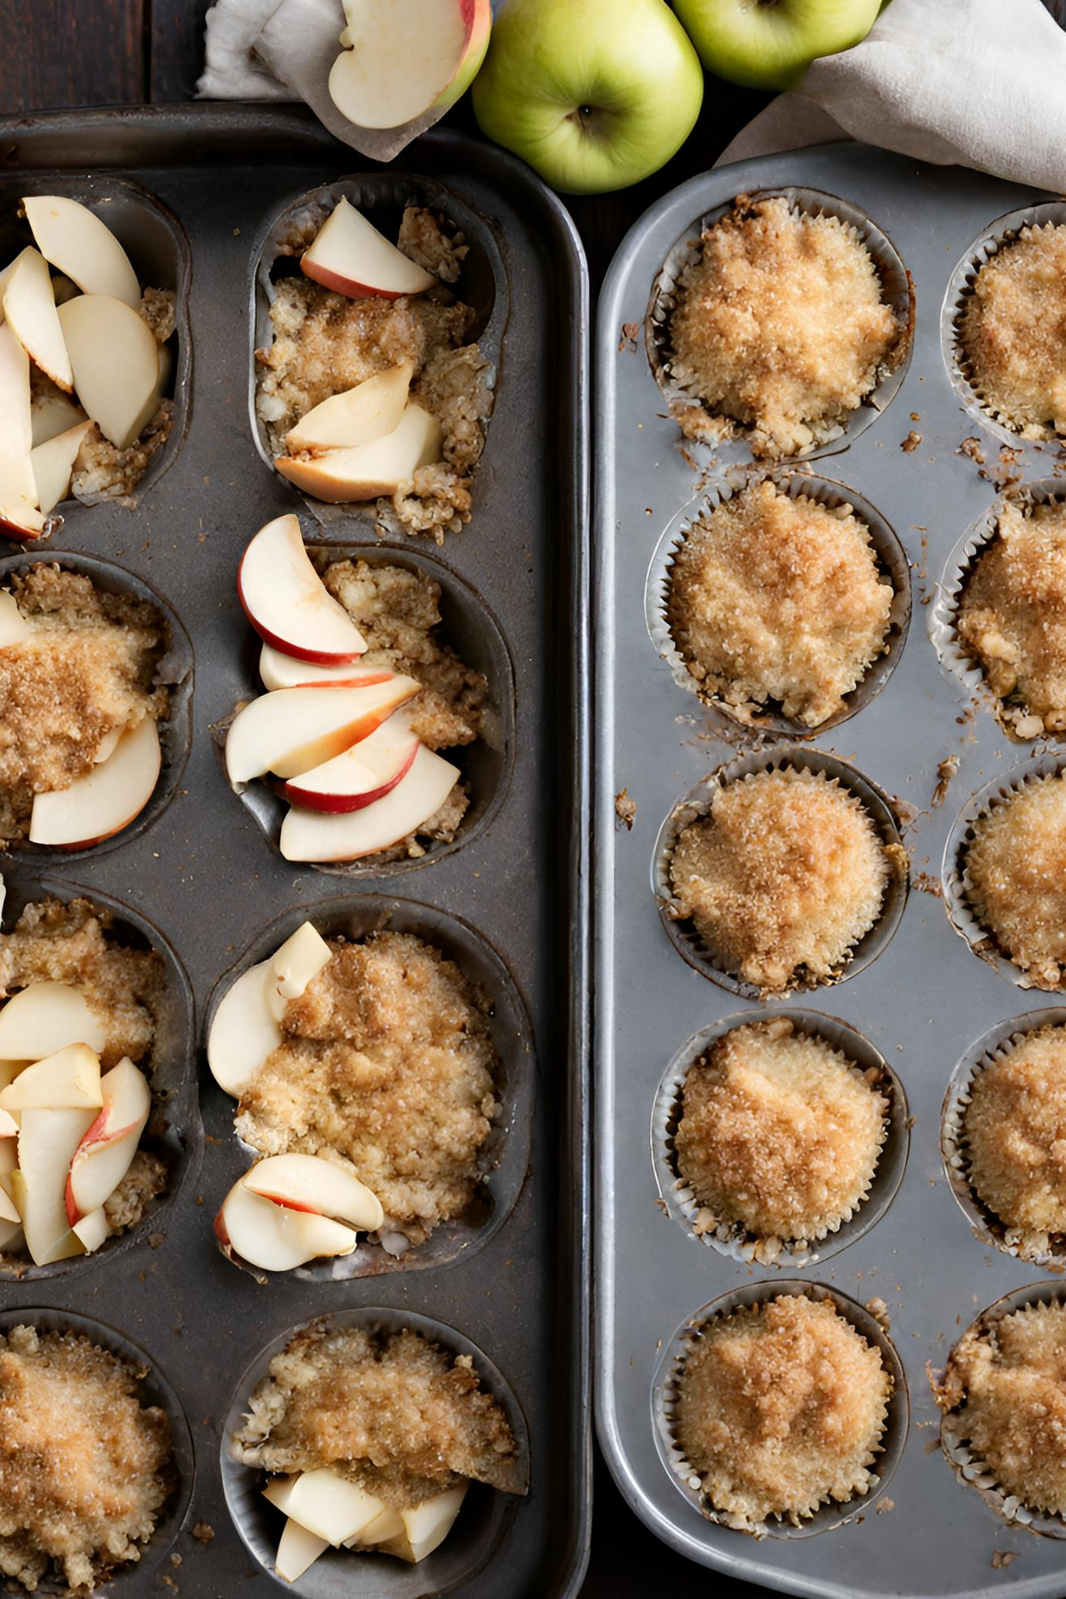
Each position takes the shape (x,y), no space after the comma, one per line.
(351,257)
(372,470)
(105,800)
(6,274)
(53,465)
(330,1506)
(287,602)
(361,775)
(403,58)
(297,1551)
(315,836)
(284,671)
(47,1140)
(8,1125)
(52,414)
(74,240)
(426,1526)
(245,1028)
(297,963)
(30,312)
(357,416)
(9,1070)
(92,1230)
(274,1237)
(278,1491)
(9,1211)
(69,1079)
(44,1018)
(309,1183)
(107,745)
(14,627)
(116,364)
(386,1525)
(20,517)
(295,729)
(103,1155)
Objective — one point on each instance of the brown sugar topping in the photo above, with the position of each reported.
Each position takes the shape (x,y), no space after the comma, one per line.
(1013,331)
(1015,879)
(1014,1130)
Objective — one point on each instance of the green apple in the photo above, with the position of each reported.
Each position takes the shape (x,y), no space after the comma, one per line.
(594,94)
(768,44)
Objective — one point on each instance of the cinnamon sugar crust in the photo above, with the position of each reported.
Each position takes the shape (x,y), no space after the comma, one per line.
(1014,1131)
(1013,332)
(1014,878)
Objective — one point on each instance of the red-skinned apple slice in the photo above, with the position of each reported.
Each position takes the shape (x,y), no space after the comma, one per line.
(74,240)
(103,1155)
(116,364)
(369,471)
(402,58)
(20,517)
(309,1183)
(356,416)
(360,776)
(106,799)
(53,465)
(47,1140)
(314,836)
(287,602)
(44,1018)
(274,1237)
(278,670)
(14,628)
(294,729)
(30,312)
(69,1079)
(351,257)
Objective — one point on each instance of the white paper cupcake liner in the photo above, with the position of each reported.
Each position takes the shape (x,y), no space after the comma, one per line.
(891,559)
(898,291)
(667,1377)
(698,802)
(1002,231)
(734,1241)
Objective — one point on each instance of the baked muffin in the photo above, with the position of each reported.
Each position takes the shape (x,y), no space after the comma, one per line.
(779,1135)
(1006,1388)
(1012,332)
(1015,882)
(1014,1135)
(782,877)
(1012,617)
(779,330)
(781,1407)
(778,601)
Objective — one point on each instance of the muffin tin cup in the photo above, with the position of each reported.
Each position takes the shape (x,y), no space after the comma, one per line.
(897,288)
(128,1580)
(174,1132)
(698,802)
(960,285)
(664,1398)
(503,1159)
(956,883)
(730,1239)
(969,1469)
(891,560)
(346,1574)
(959,569)
(997,1044)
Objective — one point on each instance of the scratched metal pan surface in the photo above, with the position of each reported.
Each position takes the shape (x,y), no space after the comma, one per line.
(921,1001)
(194,192)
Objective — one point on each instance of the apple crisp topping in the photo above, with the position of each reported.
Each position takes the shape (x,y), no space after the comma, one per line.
(87,671)
(1006,1385)
(1015,882)
(386,1067)
(781,1407)
(779,1135)
(780,329)
(1012,617)
(325,344)
(1012,332)
(392,1412)
(778,599)
(782,877)
(1014,1130)
(85,1467)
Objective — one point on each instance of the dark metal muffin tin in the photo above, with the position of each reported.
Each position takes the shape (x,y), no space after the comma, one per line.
(921,1001)
(214,181)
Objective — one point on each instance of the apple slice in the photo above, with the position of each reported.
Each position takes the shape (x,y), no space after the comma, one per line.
(361,775)
(69,1079)
(92,1230)
(116,364)
(9,1070)
(19,515)
(47,1140)
(44,1018)
(53,465)
(274,1237)
(330,1506)
(357,416)
(30,311)
(103,1156)
(278,1491)
(298,1550)
(369,470)
(426,1526)
(108,745)
(295,729)
(52,414)
(75,240)
(9,1211)
(315,836)
(384,1527)
(8,1125)
(14,627)
(284,671)
(402,58)
(351,257)
(309,1183)
(245,1028)
(298,961)
(7,274)
(105,800)
(287,602)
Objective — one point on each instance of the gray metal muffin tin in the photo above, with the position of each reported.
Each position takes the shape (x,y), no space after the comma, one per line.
(207,185)
(924,998)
